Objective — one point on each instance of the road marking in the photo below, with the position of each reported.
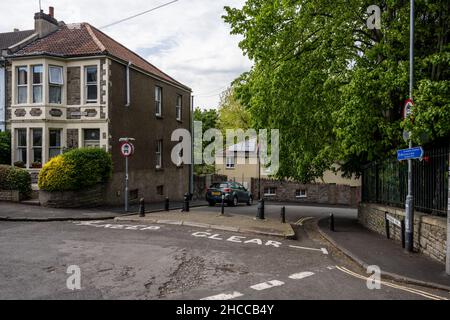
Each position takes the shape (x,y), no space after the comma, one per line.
(302,221)
(225,296)
(323,250)
(237,239)
(395,286)
(267,285)
(101,224)
(302,275)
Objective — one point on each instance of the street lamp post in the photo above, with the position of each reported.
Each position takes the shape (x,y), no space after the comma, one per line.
(409,214)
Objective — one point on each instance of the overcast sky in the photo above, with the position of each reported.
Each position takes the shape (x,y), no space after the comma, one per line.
(187,39)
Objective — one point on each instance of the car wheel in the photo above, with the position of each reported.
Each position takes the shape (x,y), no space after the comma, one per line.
(235,202)
(250,201)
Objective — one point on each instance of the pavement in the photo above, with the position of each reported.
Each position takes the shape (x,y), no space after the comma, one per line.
(28,212)
(213,220)
(368,248)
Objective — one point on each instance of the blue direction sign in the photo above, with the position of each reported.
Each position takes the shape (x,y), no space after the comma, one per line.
(414,153)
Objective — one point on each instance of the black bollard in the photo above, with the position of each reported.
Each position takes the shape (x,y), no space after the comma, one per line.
(388,228)
(167,204)
(186,203)
(283,215)
(332,222)
(142,208)
(222,212)
(403,236)
(261,213)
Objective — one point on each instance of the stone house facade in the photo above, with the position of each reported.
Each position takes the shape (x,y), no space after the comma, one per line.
(75,87)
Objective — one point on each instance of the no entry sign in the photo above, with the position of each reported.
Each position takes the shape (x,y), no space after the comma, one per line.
(127,149)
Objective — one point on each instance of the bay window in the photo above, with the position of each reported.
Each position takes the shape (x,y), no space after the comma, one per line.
(37,146)
(21,145)
(37,82)
(91,77)
(56,82)
(22,85)
(54,148)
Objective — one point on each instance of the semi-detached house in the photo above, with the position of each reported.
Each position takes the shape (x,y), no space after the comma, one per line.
(74,86)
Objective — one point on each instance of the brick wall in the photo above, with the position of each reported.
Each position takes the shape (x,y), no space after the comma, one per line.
(88,198)
(327,194)
(429,231)
(9,195)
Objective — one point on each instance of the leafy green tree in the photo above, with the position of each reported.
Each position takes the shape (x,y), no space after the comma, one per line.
(335,88)
(209,119)
(232,113)
(5,147)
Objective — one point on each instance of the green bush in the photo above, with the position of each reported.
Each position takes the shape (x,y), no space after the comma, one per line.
(5,147)
(76,170)
(15,179)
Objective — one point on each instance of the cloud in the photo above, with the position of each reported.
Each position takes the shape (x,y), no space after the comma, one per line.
(188,39)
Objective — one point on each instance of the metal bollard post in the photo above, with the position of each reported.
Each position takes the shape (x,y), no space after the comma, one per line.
(222,212)
(261,213)
(186,203)
(167,204)
(283,215)
(388,229)
(403,231)
(142,208)
(332,222)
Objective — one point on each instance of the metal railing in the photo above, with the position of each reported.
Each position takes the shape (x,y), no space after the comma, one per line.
(386,182)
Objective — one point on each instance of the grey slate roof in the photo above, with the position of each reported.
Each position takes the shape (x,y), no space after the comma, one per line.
(10,38)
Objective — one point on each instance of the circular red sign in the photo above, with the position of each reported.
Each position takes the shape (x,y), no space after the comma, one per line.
(127,149)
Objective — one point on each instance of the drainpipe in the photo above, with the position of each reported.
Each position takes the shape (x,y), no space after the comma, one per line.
(191,173)
(128,85)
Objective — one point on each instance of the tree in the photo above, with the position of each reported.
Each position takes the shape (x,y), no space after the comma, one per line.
(5,147)
(209,119)
(335,88)
(232,114)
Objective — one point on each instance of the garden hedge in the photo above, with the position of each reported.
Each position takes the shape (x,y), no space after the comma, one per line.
(76,170)
(12,178)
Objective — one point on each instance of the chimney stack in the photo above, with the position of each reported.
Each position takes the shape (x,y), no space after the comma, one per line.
(44,24)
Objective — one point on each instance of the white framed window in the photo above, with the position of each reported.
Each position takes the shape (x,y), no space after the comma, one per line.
(301,193)
(56,82)
(54,148)
(91,138)
(270,191)
(158,101)
(22,84)
(179,107)
(36,144)
(159,150)
(37,82)
(230,162)
(21,145)
(91,84)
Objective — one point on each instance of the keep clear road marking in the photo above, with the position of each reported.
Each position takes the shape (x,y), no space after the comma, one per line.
(302,275)
(224,296)
(395,286)
(267,285)
(323,250)
(102,224)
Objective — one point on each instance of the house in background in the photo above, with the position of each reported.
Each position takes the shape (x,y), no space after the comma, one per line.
(240,163)
(73,86)
(9,41)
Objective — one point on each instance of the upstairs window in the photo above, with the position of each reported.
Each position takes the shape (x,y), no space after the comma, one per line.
(159,146)
(158,101)
(22,85)
(56,82)
(178,107)
(91,84)
(38,72)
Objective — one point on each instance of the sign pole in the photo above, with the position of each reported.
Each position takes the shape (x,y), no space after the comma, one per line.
(126,184)
(409,214)
(127,150)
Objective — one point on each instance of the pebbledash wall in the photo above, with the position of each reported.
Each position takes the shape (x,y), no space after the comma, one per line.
(430,232)
(316,193)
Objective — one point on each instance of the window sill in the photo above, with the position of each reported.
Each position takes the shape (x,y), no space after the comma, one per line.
(180,121)
(159,169)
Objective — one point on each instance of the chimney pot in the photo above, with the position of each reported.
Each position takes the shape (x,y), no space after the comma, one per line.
(51,12)
(16,30)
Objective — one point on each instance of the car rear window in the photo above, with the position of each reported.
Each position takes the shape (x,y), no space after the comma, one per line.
(219,185)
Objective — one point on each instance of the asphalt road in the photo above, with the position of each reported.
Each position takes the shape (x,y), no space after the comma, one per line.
(175,262)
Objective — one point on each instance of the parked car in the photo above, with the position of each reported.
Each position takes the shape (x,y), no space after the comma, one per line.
(233,192)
